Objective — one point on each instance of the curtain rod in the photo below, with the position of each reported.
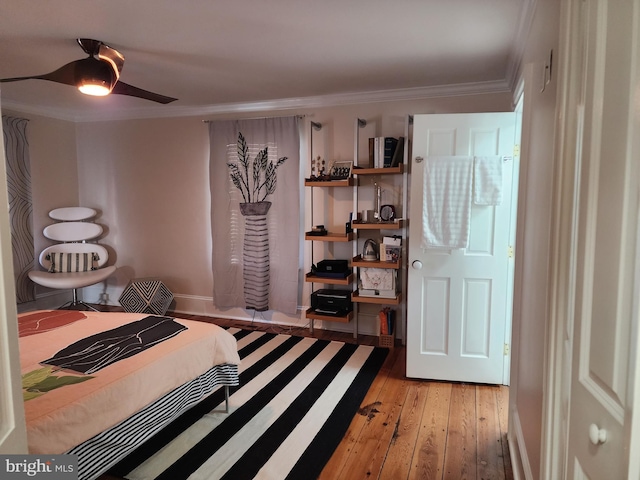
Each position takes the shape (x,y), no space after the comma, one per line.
(253,118)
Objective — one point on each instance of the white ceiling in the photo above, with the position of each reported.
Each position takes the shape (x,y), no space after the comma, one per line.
(235,55)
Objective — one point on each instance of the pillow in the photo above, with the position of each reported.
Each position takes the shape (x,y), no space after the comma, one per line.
(63,262)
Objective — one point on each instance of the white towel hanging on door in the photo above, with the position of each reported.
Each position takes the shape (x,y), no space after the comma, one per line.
(446,212)
(487,180)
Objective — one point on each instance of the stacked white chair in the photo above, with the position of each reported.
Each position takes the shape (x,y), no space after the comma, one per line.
(77,261)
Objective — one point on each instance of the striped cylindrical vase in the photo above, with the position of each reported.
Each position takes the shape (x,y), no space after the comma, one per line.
(255,255)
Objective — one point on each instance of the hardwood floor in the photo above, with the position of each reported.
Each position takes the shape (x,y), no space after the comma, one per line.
(415,429)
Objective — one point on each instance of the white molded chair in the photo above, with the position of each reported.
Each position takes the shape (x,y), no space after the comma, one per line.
(73,271)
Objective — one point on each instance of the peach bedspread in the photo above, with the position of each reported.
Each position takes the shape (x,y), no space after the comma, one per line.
(67,416)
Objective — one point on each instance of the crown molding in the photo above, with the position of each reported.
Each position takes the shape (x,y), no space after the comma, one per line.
(169,111)
(27,109)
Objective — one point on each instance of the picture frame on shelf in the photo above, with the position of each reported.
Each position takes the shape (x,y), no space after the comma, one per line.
(340,170)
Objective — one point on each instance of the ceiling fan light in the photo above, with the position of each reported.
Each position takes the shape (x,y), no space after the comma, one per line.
(94,89)
(94,77)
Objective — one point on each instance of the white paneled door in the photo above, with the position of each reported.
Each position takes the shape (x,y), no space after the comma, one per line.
(459,300)
(604,272)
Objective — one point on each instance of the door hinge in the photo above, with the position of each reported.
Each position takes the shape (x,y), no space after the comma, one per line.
(516,150)
(510,251)
(506,349)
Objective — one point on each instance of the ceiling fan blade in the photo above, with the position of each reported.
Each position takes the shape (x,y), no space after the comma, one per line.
(72,72)
(65,75)
(125,89)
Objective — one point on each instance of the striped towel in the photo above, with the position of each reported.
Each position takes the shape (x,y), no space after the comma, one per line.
(446,213)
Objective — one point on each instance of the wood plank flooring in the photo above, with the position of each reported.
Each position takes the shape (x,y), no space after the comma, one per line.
(414,429)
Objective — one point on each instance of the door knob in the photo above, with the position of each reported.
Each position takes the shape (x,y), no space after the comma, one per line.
(597,435)
(419,159)
(416,264)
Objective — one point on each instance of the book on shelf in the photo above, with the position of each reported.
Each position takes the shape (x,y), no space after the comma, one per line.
(379,153)
(398,154)
(374,151)
(390,147)
(387,321)
(384,151)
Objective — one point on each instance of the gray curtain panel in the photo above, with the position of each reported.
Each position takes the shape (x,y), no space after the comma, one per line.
(255,207)
(20,204)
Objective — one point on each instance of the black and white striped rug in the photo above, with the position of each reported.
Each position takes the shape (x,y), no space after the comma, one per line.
(295,401)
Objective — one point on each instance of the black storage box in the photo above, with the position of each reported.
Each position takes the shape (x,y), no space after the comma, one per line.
(332,269)
(331,301)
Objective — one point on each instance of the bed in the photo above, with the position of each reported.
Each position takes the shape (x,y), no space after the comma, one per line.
(98,384)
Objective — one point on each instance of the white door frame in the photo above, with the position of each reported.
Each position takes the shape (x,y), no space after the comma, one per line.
(562,261)
(516,198)
(13,433)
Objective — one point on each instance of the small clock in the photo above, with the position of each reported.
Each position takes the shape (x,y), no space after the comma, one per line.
(387,213)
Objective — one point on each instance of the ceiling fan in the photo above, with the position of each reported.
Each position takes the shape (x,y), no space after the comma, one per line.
(96,76)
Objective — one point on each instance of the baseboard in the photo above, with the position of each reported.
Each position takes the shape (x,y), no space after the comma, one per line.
(100,295)
(201,305)
(47,301)
(518,450)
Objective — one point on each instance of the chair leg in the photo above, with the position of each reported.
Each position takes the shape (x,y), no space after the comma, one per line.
(75,302)
(88,306)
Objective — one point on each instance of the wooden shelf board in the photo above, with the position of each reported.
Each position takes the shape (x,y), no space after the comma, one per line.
(310,313)
(310,277)
(359,262)
(356,297)
(379,171)
(378,225)
(331,237)
(349,182)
